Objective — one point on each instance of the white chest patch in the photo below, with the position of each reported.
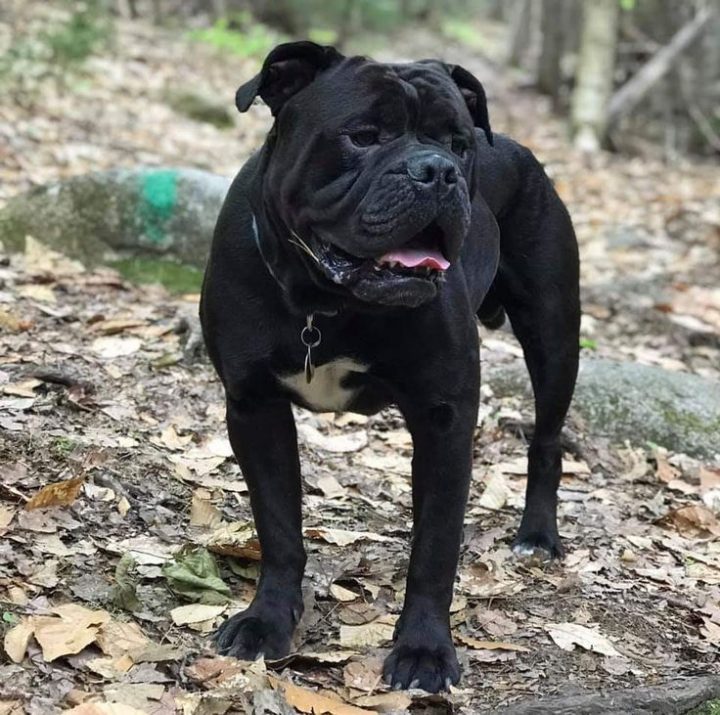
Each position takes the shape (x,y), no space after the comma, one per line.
(325,393)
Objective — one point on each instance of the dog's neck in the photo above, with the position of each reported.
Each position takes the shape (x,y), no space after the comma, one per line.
(302,293)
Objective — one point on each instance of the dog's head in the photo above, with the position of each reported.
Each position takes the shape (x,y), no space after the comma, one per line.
(371,166)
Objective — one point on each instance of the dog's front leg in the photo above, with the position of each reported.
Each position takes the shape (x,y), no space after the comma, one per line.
(442,431)
(264,441)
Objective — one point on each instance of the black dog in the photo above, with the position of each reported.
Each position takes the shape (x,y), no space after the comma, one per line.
(350,260)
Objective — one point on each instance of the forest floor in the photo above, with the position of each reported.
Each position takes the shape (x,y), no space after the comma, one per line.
(94,395)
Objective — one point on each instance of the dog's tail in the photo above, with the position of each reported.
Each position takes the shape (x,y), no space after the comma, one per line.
(491,312)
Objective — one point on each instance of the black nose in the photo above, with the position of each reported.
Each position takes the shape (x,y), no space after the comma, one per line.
(432,169)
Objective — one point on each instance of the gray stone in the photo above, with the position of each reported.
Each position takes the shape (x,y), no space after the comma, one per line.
(637,403)
(145,212)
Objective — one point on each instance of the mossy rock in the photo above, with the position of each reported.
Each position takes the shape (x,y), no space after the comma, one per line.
(199,108)
(636,403)
(152,212)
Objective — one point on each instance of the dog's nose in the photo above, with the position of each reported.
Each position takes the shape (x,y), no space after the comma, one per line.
(432,169)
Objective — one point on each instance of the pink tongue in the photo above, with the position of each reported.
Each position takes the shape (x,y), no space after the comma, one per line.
(412,258)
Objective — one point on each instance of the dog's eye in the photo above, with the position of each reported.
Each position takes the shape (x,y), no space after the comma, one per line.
(459,145)
(365,137)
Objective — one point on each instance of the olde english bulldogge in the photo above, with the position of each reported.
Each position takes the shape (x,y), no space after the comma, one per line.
(353,256)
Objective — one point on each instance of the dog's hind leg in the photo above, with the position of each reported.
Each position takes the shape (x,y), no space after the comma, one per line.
(538,286)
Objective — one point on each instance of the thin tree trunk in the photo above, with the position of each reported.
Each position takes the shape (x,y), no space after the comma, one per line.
(589,116)
(633,91)
(551,52)
(520,32)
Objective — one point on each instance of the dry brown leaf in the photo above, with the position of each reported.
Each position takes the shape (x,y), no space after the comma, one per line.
(110,668)
(309,701)
(386,702)
(330,486)
(234,539)
(489,645)
(365,675)
(709,479)
(496,492)
(11,707)
(368,635)
(568,635)
(12,323)
(111,346)
(344,442)
(24,388)
(195,613)
(202,511)
(117,638)
(58,637)
(341,537)
(693,521)
(58,494)
(7,513)
(339,593)
(17,639)
(665,471)
(112,326)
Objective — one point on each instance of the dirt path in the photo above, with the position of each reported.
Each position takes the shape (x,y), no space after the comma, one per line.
(92,386)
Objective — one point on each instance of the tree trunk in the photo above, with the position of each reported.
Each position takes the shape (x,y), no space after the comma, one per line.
(520,32)
(596,64)
(549,77)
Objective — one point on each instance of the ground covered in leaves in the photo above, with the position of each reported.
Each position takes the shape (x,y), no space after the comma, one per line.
(125,526)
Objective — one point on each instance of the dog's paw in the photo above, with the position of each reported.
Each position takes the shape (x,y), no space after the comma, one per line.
(538,546)
(432,667)
(252,633)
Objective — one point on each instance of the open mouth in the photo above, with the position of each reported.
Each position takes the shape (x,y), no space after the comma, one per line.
(423,254)
(421,258)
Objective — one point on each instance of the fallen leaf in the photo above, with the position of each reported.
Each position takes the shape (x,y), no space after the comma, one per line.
(365,675)
(496,492)
(68,634)
(344,442)
(57,494)
(111,346)
(6,516)
(117,638)
(568,635)
(237,539)
(110,668)
(693,521)
(309,701)
(490,645)
(195,613)
(202,511)
(341,537)
(339,593)
(124,593)
(17,639)
(25,388)
(368,635)
(386,702)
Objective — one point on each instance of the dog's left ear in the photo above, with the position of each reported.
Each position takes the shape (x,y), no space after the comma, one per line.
(474,95)
(288,68)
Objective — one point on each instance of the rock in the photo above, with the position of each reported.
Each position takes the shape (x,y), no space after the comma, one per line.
(637,403)
(200,108)
(145,212)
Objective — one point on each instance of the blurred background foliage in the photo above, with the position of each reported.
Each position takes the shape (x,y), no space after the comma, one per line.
(624,72)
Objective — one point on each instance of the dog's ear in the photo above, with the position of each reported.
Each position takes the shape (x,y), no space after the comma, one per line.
(474,95)
(287,69)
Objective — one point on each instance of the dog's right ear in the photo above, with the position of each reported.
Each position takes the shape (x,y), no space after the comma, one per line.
(288,68)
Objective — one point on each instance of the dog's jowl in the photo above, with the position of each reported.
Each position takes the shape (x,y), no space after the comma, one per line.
(354,254)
